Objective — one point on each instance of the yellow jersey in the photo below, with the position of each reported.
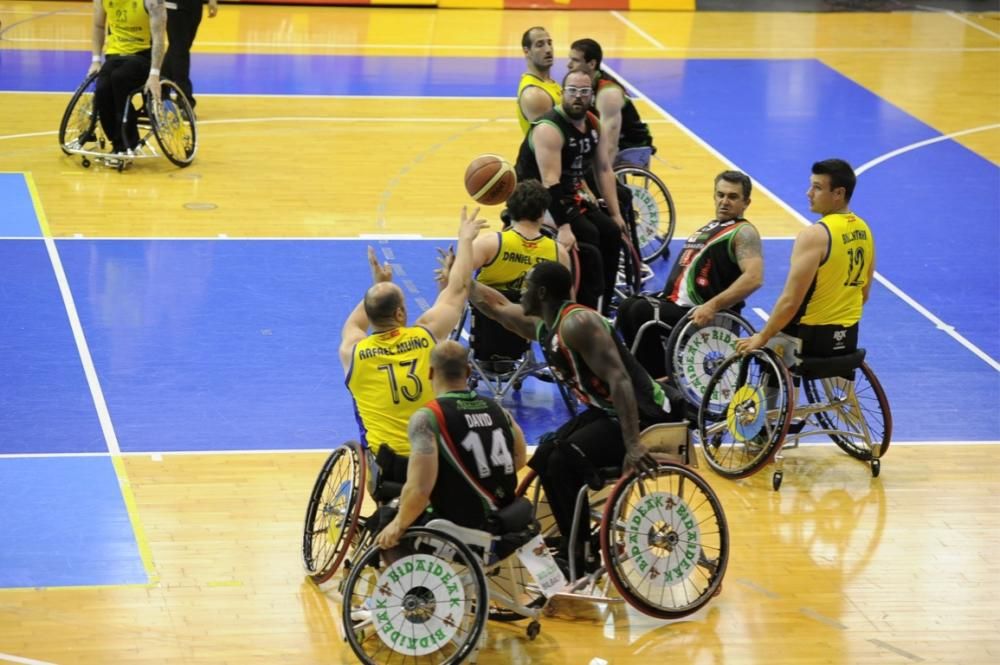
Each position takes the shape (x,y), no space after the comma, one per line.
(389,379)
(553,88)
(837,292)
(516,257)
(127,27)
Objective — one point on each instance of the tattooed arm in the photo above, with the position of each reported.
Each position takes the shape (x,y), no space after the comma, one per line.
(746,247)
(421,474)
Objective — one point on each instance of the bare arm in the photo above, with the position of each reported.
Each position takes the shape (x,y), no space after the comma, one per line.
(356,327)
(97,37)
(866,289)
(747,248)
(564,257)
(444,314)
(807,253)
(585,333)
(534,103)
(421,474)
(606,181)
(520,445)
(548,142)
(510,315)
(158,31)
(610,102)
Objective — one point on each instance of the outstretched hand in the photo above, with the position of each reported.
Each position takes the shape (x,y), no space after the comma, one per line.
(471,224)
(380,273)
(445,259)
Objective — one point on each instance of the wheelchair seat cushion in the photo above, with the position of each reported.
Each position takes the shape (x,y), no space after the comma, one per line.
(515,516)
(828,367)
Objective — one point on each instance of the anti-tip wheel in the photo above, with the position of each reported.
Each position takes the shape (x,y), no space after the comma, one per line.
(876,467)
(776,480)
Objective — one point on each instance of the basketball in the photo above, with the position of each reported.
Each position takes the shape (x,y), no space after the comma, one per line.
(490,179)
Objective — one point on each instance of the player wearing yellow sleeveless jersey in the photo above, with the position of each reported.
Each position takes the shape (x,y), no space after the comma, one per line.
(131,35)
(537,93)
(385,359)
(831,271)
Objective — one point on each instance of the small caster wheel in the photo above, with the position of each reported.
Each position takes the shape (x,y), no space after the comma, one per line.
(121,166)
(776,480)
(86,163)
(533,629)
(876,467)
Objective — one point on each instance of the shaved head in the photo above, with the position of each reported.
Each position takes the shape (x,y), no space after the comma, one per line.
(451,360)
(381,302)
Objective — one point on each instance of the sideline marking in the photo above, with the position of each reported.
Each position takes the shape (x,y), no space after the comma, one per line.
(642,33)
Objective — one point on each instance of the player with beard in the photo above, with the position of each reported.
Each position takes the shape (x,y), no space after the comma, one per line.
(537,92)
(560,150)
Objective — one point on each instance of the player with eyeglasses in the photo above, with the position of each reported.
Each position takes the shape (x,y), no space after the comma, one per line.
(560,149)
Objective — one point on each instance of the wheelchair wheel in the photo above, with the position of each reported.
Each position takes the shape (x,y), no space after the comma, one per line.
(173,124)
(665,541)
(694,354)
(79,121)
(423,601)
(859,419)
(333,515)
(746,434)
(654,207)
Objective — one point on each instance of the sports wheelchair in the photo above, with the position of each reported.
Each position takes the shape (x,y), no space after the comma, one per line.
(171,122)
(655,214)
(749,411)
(663,536)
(502,360)
(693,353)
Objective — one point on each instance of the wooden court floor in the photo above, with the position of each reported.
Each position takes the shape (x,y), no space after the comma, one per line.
(836,568)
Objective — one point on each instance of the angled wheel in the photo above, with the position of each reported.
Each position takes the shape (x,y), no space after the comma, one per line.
(423,601)
(745,435)
(333,517)
(174,124)
(654,208)
(695,353)
(79,121)
(665,541)
(859,417)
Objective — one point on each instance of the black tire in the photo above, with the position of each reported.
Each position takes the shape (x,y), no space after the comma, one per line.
(365,624)
(665,541)
(745,436)
(656,216)
(333,516)
(874,406)
(80,117)
(695,353)
(173,124)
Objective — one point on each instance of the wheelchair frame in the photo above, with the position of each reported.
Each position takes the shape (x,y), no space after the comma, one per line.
(171,122)
(656,215)
(762,416)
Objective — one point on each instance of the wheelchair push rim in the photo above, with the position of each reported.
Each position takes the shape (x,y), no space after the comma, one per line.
(334,511)
(745,436)
(173,124)
(429,604)
(656,215)
(80,118)
(665,541)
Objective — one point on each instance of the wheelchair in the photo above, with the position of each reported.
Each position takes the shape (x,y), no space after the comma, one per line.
(334,527)
(693,353)
(749,412)
(171,123)
(664,539)
(655,214)
(429,598)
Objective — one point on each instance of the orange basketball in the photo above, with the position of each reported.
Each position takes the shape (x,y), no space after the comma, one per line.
(490,179)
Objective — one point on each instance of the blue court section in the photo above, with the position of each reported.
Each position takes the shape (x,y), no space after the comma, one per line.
(935,212)
(17,218)
(68,525)
(45,404)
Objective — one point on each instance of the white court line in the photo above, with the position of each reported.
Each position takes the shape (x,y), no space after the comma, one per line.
(973,24)
(642,33)
(8,658)
(110,438)
(761,313)
(938,323)
(920,144)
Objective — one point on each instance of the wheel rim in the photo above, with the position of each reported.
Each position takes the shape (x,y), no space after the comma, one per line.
(334,512)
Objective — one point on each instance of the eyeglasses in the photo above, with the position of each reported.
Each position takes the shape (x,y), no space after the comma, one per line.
(573,91)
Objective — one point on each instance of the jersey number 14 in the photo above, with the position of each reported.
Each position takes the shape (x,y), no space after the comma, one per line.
(499,454)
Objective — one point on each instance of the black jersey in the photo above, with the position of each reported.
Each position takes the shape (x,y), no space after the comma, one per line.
(706,266)
(570,368)
(476,473)
(578,151)
(634,133)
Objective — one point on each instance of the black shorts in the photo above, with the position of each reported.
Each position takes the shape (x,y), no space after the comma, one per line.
(825,341)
